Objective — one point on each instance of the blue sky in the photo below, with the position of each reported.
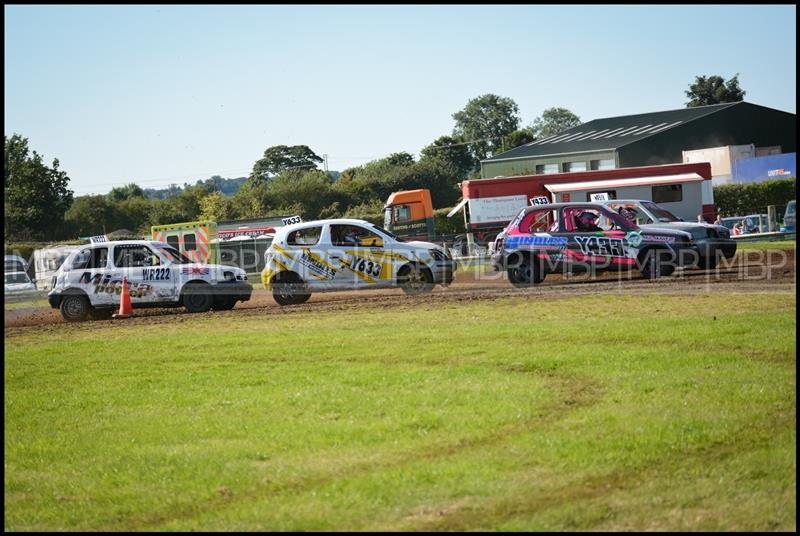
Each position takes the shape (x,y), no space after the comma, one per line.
(171,94)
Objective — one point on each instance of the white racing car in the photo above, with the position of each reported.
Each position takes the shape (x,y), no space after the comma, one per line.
(89,282)
(343,254)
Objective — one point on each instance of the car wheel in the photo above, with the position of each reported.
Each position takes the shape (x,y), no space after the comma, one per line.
(197,298)
(415,280)
(224,303)
(707,262)
(526,273)
(75,308)
(655,264)
(289,289)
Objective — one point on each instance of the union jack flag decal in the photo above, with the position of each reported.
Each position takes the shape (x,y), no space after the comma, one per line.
(195,270)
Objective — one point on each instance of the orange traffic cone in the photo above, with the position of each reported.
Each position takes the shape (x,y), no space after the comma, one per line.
(125,309)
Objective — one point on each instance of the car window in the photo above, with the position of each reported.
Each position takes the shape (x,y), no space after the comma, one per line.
(90,258)
(307,236)
(16,278)
(134,255)
(538,221)
(354,235)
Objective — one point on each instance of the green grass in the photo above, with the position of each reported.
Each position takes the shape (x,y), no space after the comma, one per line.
(606,413)
(766,245)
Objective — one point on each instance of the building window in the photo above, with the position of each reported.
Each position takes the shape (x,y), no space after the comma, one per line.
(546,169)
(173,241)
(602,164)
(574,166)
(668,193)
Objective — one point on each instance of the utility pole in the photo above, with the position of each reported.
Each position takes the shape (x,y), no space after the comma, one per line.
(325,162)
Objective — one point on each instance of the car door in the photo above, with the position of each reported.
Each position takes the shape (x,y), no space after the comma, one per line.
(359,254)
(150,278)
(595,246)
(89,271)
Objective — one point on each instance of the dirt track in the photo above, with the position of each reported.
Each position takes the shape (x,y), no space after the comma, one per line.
(753,271)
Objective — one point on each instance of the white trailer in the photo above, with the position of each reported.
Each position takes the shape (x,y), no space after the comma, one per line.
(46,263)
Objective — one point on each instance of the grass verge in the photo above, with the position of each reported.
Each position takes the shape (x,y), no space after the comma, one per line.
(606,413)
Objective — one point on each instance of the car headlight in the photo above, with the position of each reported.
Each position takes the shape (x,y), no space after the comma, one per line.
(438,255)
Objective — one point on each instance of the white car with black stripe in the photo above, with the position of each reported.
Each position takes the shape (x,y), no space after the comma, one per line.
(345,254)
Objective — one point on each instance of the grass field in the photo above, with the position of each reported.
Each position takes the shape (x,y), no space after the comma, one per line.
(606,413)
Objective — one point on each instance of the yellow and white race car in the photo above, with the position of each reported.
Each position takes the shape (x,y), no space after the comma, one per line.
(347,254)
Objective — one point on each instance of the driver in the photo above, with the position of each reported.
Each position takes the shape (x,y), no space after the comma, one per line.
(351,236)
(586,222)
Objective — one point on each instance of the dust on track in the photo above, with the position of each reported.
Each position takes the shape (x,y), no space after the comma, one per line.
(755,271)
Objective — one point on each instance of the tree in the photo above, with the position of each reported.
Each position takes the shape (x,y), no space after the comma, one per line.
(280,158)
(517,138)
(714,90)
(484,121)
(553,121)
(36,196)
(451,150)
(90,215)
(120,193)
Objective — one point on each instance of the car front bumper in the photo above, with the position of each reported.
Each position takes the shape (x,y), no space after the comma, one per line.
(238,290)
(443,271)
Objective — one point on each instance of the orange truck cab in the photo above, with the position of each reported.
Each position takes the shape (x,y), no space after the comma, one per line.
(410,214)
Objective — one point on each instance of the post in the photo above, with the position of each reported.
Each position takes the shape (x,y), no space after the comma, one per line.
(772,218)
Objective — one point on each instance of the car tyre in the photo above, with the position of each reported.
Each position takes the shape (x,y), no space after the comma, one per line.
(654,264)
(75,308)
(526,273)
(197,298)
(289,289)
(415,280)
(708,262)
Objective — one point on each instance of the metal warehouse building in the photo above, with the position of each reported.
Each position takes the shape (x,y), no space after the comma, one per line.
(648,139)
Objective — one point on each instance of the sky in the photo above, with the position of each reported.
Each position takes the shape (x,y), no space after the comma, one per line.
(170,94)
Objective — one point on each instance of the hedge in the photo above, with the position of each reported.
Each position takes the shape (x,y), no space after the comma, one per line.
(755,197)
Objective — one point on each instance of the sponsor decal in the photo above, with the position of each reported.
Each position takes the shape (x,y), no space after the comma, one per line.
(634,238)
(599,245)
(778,172)
(156,274)
(195,270)
(316,264)
(109,285)
(519,241)
(659,238)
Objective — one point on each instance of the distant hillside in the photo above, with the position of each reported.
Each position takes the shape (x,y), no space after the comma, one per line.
(216,183)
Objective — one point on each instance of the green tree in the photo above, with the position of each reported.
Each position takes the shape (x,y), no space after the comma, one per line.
(36,196)
(279,158)
(128,191)
(517,138)
(714,90)
(90,215)
(450,150)
(484,121)
(553,121)
(216,206)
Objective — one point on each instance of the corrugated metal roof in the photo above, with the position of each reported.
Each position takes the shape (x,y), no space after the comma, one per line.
(610,133)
